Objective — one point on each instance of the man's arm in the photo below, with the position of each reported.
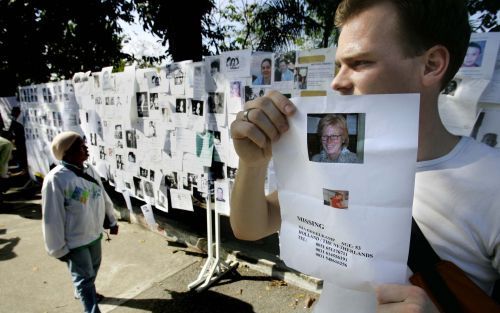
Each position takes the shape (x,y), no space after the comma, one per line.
(253,215)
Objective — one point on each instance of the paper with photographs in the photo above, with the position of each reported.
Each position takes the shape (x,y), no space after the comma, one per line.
(151,118)
(458,108)
(236,64)
(284,72)
(262,69)
(222,197)
(481,55)
(314,70)
(348,223)
(458,102)
(492,92)
(147,211)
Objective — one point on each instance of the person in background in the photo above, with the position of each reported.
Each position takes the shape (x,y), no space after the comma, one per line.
(384,47)
(334,139)
(5,155)
(2,127)
(74,206)
(16,131)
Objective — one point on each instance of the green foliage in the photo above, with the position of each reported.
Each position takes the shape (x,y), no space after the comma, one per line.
(40,40)
(281,25)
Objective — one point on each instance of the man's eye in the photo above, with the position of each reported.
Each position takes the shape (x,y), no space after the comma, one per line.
(337,68)
(359,63)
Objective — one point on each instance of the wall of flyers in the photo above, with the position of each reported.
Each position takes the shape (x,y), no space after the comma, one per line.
(162,134)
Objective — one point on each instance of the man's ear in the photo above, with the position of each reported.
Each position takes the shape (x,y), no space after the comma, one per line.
(436,59)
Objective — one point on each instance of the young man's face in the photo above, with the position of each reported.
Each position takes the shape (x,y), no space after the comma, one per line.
(370,57)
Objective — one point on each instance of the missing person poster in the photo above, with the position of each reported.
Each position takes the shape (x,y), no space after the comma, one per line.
(347,192)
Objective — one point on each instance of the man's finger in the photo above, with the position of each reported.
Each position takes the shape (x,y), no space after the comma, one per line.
(281,102)
(263,110)
(241,130)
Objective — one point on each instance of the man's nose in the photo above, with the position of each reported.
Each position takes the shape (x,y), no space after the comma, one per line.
(342,82)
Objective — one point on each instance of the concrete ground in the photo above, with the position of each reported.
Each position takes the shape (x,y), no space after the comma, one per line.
(140,272)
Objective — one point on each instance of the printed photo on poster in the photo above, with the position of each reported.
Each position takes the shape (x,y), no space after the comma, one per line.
(338,199)
(142,104)
(474,55)
(284,67)
(262,70)
(131,139)
(216,102)
(336,138)
(197,107)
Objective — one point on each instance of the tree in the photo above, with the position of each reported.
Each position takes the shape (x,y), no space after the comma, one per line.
(276,25)
(235,22)
(487,13)
(294,24)
(179,23)
(284,24)
(40,40)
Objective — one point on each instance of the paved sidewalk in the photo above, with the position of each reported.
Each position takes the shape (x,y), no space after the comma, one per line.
(140,272)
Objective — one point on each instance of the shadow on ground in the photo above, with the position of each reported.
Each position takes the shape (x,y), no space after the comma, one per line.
(25,203)
(187,302)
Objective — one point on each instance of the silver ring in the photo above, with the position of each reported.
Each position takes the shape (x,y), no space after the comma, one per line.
(245,115)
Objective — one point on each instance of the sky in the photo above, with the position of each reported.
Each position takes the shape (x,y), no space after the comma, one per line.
(139,42)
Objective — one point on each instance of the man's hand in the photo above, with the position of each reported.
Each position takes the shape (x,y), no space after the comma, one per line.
(262,122)
(113,230)
(403,298)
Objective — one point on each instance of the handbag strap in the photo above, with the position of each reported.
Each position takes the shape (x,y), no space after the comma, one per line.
(422,258)
(80,173)
(421,255)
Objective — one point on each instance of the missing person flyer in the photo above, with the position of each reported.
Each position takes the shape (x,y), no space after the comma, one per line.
(345,173)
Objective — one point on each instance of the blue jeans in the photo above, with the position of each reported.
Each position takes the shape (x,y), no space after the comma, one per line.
(83,264)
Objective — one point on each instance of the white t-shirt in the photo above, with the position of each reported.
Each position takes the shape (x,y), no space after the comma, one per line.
(457,207)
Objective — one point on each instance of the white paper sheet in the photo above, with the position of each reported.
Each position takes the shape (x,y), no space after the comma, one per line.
(367,241)
(481,56)
(221,187)
(314,70)
(492,92)
(181,199)
(147,211)
(236,63)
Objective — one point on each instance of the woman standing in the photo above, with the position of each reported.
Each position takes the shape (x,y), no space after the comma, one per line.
(74,205)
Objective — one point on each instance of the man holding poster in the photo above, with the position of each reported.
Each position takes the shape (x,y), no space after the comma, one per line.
(391,47)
